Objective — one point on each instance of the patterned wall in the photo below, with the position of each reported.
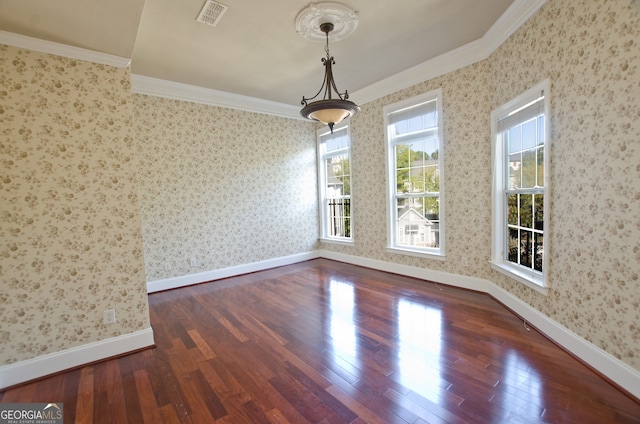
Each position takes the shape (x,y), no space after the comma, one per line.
(230,187)
(223,186)
(70,239)
(590,52)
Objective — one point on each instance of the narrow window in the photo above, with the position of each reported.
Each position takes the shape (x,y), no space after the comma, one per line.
(520,186)
(334,173)
(415,176)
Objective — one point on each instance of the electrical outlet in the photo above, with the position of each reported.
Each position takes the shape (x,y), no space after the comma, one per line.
(465,262)
(109,316)
(167,266)
(193,261)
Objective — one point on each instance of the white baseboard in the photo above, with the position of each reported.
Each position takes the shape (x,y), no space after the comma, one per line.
(461,281)
(611,367)
(617,371)
(217,274)
(31,369)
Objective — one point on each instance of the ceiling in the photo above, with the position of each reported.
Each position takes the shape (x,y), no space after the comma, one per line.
(255,50)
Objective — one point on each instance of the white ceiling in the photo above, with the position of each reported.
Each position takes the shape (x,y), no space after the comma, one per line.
(254,50)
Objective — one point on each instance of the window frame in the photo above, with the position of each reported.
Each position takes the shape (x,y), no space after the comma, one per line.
(323,198)
(393,245)
(537,280)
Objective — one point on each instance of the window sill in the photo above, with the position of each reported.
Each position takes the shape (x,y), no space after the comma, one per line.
(342,242)
(532,281)
(417,253)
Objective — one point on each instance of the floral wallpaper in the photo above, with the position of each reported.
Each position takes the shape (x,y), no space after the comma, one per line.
(70,239)
(222,186)
(590,52)
(101,189)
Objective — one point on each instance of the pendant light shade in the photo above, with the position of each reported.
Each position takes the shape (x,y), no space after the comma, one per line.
(329,110)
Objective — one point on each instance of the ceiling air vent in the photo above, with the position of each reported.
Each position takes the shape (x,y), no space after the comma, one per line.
(211,13)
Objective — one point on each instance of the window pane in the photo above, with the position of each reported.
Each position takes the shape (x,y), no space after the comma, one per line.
(431,120)
(432,179)
(512,245)
(515,140)
(431,208)
(402,204)
(339,217)
(538,252)
(403,183)
(418,222)
(538,212)
(415,124)
(430,148)
(416,173)
(526,241)
(529,134)
(338,140)
(346,187)
(526,211)
(402,152)
(540,130)
(528,169)
(540,166)
(416,119)
(512,209)
(337,175)
(515,165)
(416,153)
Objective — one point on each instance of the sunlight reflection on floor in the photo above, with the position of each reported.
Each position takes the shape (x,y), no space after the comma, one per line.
(420,343)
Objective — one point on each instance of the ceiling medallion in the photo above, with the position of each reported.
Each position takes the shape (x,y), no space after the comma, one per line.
(344,20)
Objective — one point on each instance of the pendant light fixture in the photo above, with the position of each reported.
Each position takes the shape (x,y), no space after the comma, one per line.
(333,107)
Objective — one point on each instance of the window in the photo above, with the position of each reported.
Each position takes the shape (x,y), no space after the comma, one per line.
(415,176)
(334,175)
(520,186)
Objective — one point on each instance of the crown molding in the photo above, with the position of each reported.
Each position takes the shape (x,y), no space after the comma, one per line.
(448,62)
(515,15)
(24,42)
(512,19)
(141,84)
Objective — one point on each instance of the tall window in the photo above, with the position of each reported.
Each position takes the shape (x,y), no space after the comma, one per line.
(335,184)
(415,175)
(520,187)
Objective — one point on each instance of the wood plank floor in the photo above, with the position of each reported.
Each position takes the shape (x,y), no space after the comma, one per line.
(326,342)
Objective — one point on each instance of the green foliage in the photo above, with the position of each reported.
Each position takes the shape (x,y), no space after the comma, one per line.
(416,171)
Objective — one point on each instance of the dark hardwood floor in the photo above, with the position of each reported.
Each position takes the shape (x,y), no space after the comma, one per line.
(326,342)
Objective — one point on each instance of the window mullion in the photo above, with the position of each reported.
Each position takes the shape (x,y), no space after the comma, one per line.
(521,187)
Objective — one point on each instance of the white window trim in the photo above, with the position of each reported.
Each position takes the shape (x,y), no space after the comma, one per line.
(322,212)
(533,279)
(429,253)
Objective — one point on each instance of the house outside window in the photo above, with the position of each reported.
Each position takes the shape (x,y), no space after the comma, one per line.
(334,180)
(520,187)
(415,176)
